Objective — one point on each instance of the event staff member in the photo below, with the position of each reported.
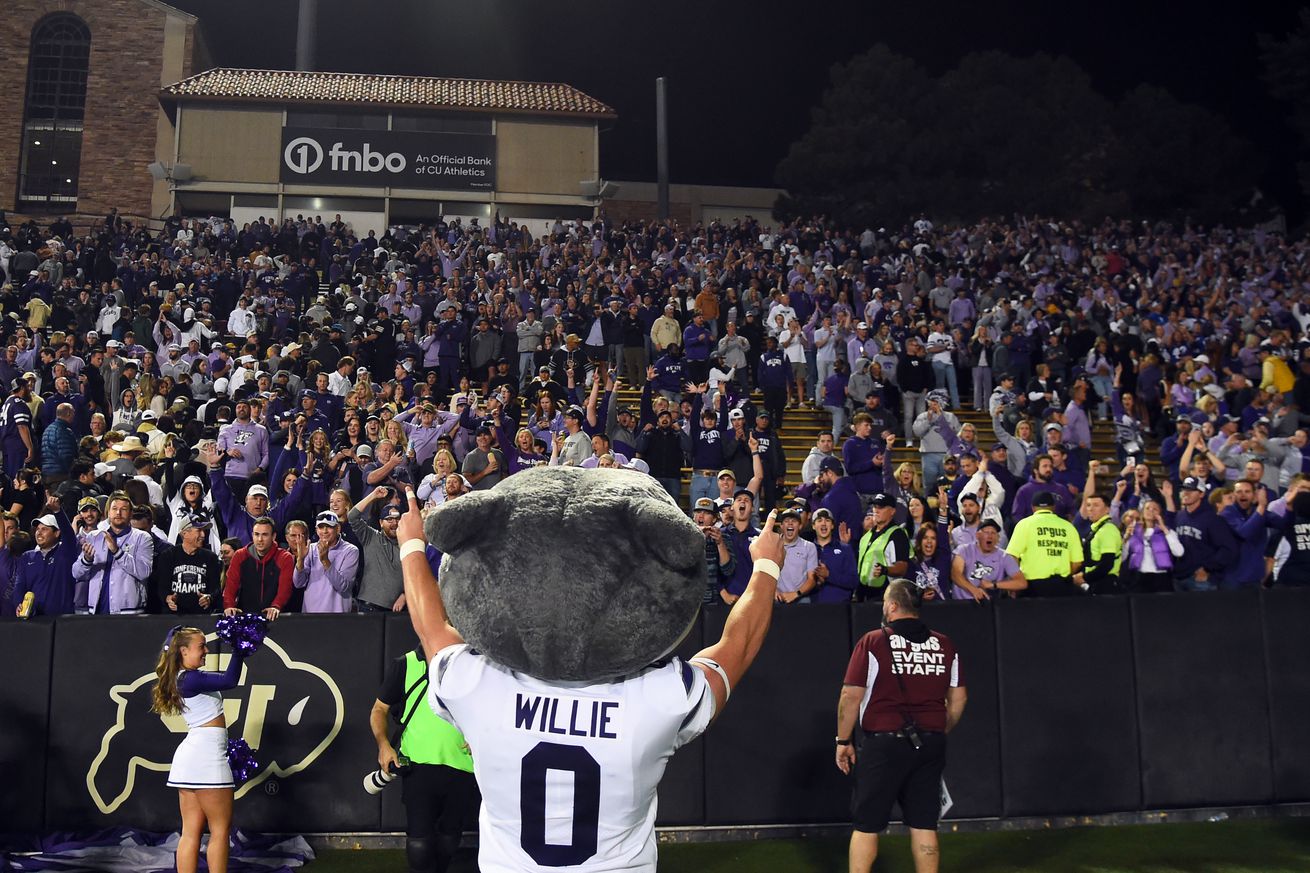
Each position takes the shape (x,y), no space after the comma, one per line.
(200,771)
(1049,550)
(905,686)
(437,785)
(884,551)
(1102,548)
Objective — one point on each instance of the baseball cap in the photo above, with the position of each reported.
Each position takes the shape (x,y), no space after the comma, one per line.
(48,520)
(822,512)
(790,512)
(1191,483)
(744,491)
(1054,425)
(884,501)
(327,517)
(391,511)
(1044,498)
(102,468)
(87,502)
(731,475)
(736,415)
(997,446)
(257,491)
(195,519)
(193,480)
(705,504)
(832,465)
(761,413)
(149,415)
(989,522)
(363,450)
(970,496)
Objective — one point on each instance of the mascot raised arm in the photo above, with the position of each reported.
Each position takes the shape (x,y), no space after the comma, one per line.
(563,594)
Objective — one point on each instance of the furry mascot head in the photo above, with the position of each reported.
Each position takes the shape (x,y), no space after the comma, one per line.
(569,574)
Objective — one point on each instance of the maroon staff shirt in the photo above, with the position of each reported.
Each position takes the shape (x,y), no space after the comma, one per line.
(926,670)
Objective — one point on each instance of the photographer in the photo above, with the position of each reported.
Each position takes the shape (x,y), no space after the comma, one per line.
(904,715)
(437,784)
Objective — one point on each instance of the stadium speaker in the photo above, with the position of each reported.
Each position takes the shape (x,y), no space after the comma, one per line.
(181,172)
(590,187)
(158,171)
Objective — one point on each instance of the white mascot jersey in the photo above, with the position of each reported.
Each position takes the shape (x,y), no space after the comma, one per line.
(555,760)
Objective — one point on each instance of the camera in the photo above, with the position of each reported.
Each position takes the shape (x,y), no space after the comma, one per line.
(910,732)
(377,780)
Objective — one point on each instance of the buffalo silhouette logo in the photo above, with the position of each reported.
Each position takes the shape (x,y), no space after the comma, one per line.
(289,716)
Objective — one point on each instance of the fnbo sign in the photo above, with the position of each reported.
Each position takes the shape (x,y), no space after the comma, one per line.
(399,159)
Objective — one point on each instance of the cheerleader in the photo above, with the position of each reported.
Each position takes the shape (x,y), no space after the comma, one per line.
(200,771)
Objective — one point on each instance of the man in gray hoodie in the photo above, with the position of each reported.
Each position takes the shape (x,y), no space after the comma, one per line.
(381,587)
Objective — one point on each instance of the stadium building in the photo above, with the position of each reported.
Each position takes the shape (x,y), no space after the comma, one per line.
(115,104)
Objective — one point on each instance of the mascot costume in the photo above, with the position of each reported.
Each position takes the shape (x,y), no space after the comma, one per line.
(562,594)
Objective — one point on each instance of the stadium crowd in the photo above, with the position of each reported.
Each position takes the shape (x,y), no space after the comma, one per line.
(206,417)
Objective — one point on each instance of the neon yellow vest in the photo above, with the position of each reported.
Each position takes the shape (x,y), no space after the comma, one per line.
(874,551)
(428,739)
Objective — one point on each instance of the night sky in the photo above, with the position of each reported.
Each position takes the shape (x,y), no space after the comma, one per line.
(743,76)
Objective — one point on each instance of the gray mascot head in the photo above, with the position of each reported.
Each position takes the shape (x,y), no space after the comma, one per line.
(568,574)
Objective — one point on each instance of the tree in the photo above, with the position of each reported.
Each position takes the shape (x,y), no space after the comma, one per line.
(1177,160)
(1287,73)
(860,158)
(1027,134)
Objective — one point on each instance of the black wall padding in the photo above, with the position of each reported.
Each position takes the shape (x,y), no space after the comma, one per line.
(25,649)
(1286,619)
(1068,721)
(1202,699)
(769,758)
(973,751)
(303,705)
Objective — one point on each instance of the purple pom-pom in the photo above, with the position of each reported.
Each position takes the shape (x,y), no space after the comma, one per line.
(241,758)
(244,632)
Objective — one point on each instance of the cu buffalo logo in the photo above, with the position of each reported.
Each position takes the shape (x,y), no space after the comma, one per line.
(289,714)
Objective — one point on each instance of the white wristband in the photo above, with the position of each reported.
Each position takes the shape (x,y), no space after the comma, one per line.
(409,547)
(764,565)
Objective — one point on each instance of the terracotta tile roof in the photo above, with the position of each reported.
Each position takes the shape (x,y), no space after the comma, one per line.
(290,86)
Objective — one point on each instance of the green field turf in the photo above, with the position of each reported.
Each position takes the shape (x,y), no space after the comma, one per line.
(1230,847)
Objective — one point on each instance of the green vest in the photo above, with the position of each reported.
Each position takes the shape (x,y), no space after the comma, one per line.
(428,739)
(874,551)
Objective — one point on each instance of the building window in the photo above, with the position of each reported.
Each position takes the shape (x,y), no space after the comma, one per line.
(52,116)
(438,123)
(337,120)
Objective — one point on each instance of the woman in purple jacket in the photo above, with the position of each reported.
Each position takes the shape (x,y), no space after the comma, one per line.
(1149,550)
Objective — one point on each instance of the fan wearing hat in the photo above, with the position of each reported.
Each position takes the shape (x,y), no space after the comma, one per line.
(47,570)
(1049,550)
(935,428)
(115,564)
(835,574)
(190,575)
(799,576)
(192,497)
(884,550)
(239,517)
(381,589)
(720,557)
(243,445)
(16,436)
(326,568)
